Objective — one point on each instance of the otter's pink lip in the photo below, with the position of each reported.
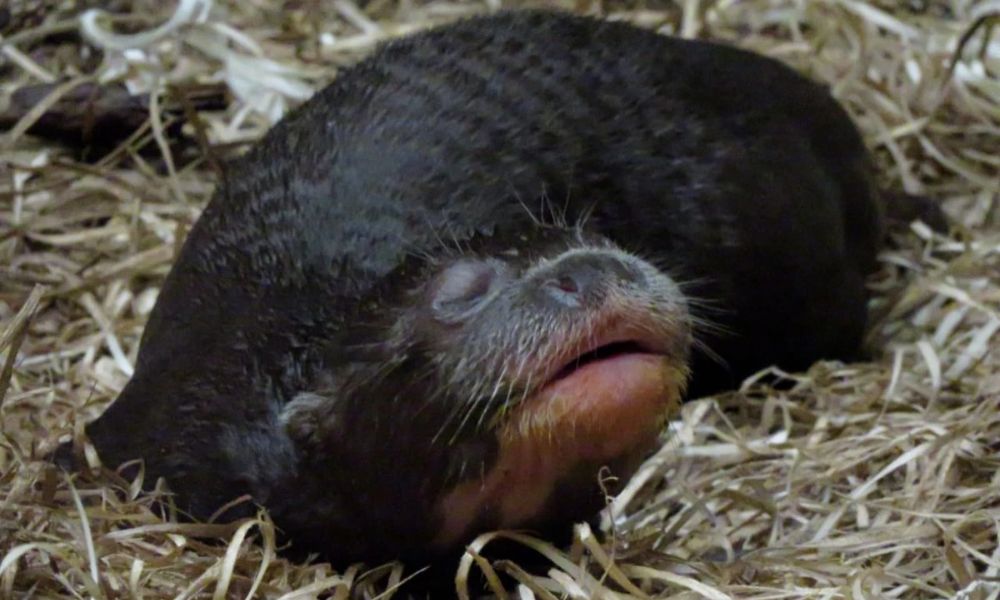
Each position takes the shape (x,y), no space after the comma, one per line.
(603,408)
(606,412)
(606,349)
(618,361)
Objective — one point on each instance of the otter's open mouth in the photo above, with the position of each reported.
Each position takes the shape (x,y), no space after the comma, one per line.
(613,394)
(602,352)
(601,404)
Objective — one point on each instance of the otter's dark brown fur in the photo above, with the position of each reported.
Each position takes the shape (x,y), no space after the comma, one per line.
(404,266)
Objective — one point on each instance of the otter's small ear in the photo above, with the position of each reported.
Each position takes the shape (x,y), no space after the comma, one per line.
(302,416)
(462,283)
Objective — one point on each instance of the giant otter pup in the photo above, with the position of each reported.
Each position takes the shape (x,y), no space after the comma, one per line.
(442,294)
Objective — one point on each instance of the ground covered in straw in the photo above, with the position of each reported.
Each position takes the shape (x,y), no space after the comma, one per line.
(869,480)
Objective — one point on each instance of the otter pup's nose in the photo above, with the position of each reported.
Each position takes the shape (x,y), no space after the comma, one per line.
(579,279)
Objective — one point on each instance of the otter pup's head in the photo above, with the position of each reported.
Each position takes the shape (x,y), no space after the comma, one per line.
(506,376)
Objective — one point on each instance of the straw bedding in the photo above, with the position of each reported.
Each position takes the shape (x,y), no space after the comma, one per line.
(867,480)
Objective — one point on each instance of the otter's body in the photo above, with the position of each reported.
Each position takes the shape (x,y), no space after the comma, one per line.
(291,354)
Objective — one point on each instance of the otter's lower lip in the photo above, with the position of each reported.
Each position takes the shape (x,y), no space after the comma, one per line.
(604,410)
(603,407)
(616,378)
(602,352)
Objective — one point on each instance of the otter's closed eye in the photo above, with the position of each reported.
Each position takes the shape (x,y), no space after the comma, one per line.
(462,285)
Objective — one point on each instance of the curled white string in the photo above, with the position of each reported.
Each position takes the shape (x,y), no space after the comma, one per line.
(260,84)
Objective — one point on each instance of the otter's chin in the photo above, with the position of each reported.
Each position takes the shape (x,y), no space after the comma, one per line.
(607,411)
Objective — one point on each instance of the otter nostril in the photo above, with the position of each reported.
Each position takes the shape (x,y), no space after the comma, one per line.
(566,284)
(579,278)
(569,289)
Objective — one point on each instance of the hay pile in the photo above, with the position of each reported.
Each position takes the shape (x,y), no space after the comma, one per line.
(861,481)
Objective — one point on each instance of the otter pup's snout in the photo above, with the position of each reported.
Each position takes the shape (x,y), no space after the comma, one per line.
(582,279)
